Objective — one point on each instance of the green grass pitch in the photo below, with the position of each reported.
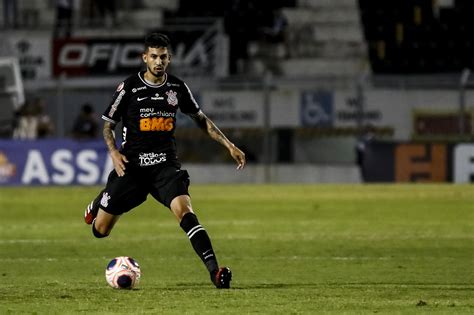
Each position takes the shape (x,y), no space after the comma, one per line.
(293,249)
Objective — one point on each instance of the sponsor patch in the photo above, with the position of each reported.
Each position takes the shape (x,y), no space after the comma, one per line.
(156,124)
(150,112)
(157,97)
(148,159)
(120,87)
(116,103)
(134,90)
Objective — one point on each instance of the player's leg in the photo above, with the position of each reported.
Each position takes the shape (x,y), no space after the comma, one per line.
(92,209)
(171,189)
(103,223)
(120,195)
(182,209)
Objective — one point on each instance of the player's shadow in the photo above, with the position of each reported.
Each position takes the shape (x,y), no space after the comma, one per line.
(353,285)
(272,286)
(357,285)
(254,286)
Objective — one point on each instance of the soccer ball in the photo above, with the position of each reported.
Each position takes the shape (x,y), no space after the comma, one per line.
(123,273)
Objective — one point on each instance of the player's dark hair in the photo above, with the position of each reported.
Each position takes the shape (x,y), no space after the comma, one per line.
(156,40)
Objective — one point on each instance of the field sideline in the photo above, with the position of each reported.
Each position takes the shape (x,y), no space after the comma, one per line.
(294,249)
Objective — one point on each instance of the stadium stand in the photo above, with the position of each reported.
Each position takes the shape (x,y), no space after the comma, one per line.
(311,61)
(421,36)
(326,38)
(320,37)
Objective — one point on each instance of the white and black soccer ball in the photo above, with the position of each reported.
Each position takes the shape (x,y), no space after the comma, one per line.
(123,273)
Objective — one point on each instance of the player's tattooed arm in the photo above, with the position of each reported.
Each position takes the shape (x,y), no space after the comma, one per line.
(118,159)
(211,129)
(109,136)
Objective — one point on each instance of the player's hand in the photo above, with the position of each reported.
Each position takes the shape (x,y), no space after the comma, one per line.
(119,161)
(238,156)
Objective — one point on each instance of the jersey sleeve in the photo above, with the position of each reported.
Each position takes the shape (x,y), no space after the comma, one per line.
(188,104)
(114,111)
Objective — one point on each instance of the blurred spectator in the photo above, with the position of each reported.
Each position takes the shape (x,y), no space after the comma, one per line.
(275,31)
(260,41)
(45,126)
(85,125)
(239,32)
(26,125)
(101,13)
(274,43)
(32,122)
(63,26)
(366,137)
(10,13)
(107,12)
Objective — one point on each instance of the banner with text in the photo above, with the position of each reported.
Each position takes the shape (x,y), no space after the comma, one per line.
(193,53)
(418,162)
(53,162)
(234,109)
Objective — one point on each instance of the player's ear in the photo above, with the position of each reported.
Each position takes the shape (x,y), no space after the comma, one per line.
(144,57)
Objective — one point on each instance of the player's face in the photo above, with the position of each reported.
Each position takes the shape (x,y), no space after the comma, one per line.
(157,60)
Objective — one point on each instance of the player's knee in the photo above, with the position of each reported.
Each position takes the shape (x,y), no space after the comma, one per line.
(180,206)
(99,232)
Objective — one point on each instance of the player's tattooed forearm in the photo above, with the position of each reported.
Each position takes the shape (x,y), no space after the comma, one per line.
(200,119)
(109,135)
(209,127)
(214,132)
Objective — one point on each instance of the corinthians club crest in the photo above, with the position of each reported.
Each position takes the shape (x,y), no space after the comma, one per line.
(172,99)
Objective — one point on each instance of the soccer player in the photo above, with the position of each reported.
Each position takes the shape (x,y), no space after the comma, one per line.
(146,163)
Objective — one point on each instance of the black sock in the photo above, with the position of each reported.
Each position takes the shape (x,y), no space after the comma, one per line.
(97,233)
(200,241)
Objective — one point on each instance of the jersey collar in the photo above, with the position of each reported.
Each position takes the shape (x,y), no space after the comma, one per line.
(141,75)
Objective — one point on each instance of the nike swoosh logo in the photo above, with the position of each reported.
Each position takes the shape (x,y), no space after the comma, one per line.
(141,99)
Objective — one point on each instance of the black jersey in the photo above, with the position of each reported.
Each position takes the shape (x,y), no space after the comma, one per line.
(148,115)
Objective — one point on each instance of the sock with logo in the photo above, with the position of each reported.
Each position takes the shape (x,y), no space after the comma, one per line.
(200,241)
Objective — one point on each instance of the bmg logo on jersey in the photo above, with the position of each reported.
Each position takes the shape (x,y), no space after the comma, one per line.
(148,159)
(156,124)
